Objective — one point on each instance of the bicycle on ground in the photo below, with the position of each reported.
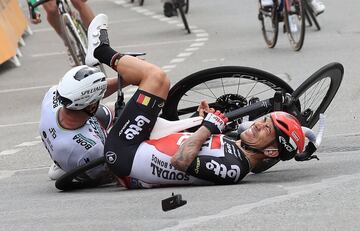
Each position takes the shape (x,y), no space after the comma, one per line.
(244,94)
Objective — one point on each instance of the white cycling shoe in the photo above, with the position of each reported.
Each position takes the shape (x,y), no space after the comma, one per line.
(317,6)
(267,3)
(97,35)
(55,172)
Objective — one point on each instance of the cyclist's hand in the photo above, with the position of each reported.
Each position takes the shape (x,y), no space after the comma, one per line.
(37,19)
(204,108)
(215,122)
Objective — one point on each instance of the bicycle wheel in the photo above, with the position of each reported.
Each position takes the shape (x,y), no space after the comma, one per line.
(269,19)
(294,15)
(317,92)
(224,88)
(75,38)
(67,181)
(311,15)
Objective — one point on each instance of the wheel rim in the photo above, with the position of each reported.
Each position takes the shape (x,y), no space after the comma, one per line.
(225,92)
(315,97)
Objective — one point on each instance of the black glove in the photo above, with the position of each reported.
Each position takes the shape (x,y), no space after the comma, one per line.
(215,122)
(308,153)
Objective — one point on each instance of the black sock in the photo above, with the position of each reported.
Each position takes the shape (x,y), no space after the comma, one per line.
(104,54)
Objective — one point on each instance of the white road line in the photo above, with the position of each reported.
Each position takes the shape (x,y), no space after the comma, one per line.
(293,193)
(199,31)
(48,54)
(27,144)
(157,16)
(173,21)
(179,60)
(197,44)
(201,39)
(148,13)
(192,49)
(185,54)
(202,35)
(25,89)
(9,152)
(18,124)
(168,66)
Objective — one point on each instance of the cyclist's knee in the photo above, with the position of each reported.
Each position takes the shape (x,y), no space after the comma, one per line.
(50,8)
(158,81)
(78,4)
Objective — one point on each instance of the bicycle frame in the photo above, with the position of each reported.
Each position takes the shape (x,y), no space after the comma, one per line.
(59,3)
(280,101)
(68,21)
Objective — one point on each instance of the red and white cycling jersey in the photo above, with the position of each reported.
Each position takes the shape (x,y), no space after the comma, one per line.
(152,167)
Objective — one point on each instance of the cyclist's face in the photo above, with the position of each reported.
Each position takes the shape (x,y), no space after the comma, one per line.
(260,134)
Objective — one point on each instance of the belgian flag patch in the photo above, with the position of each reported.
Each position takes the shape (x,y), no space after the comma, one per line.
(143,99)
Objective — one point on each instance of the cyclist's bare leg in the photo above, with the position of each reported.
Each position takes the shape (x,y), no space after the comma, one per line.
(53,16)
(86,14)
(147,76)
(135,71)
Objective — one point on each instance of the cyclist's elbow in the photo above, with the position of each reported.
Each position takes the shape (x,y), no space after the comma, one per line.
(178,164)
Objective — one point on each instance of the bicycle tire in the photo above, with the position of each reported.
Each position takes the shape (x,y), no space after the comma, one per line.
(296,39)
(270,17)
(183,17)
(216,83)
(77,45)
(141,2)
(329,76)
(66,182)
(312,17)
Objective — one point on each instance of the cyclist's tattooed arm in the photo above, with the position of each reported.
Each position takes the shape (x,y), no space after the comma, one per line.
(190,149)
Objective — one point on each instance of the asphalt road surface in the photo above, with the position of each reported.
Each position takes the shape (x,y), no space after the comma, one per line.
(314,195)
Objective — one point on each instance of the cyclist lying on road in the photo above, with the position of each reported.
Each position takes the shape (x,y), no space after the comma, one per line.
(204,157)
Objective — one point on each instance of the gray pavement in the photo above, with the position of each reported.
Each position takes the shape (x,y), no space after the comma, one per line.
(315,195)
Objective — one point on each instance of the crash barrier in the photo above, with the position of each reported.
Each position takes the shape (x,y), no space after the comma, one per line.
(13,24)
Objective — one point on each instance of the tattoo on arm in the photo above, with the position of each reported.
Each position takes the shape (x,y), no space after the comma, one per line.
(188,151)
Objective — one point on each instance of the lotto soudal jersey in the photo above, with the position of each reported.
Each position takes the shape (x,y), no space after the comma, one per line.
(70,148)
(219,161)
